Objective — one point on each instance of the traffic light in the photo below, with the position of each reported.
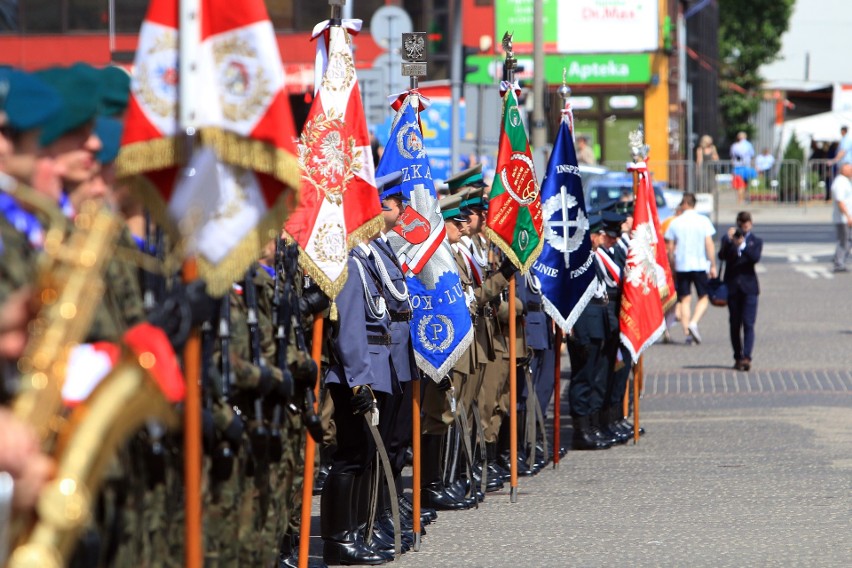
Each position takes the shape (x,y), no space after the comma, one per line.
(667,35)
(469,69)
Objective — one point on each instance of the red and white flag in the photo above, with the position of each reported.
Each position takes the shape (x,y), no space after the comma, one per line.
(642,321)
(242,114)
(339,204)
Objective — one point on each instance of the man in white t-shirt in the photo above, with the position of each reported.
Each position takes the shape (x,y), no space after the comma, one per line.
(844,150)
(841,192)
(692,253)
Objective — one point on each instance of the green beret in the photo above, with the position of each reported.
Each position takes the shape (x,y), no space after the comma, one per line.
(114,90)
(469,177)
(78,87)
(26,101)
(109,131)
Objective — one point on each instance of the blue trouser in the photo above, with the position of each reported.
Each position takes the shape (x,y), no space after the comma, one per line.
(742,309)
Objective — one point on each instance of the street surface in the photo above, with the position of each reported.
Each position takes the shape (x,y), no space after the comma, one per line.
(737,469)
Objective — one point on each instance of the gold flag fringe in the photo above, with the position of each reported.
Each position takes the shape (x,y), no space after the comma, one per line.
(232,268)
(498,240)
(254,155)
(151,155)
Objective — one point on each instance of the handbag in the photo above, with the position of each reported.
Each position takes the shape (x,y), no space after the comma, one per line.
(717,289)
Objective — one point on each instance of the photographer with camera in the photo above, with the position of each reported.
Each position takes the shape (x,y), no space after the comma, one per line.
(741,250)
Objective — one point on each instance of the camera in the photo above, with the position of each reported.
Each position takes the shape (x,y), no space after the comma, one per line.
(738,233)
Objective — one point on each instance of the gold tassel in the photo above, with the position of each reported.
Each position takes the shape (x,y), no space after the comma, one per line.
(332,315)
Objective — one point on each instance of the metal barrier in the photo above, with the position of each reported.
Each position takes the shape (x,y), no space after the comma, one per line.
(787,182)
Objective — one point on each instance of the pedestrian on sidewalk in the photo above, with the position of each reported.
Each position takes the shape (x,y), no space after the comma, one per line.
(841,192)
(740,251)
(689,240)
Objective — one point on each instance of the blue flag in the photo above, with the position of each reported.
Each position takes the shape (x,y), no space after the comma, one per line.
(565,266)
(441,328)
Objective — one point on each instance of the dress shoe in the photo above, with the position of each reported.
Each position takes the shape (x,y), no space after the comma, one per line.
(746,364)
(437,498)
(584,437)
(738,366)
(495,478)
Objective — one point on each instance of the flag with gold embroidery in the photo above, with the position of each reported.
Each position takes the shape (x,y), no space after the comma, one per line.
(339,204)
(241,114)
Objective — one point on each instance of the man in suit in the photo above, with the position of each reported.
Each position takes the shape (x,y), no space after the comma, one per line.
(740,251)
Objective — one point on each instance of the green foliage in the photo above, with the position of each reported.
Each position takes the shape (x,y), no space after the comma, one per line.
(789,174)
(749,36)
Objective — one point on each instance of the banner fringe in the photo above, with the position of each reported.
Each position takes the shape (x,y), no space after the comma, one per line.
(635,354)
(450,362)
(150,155)
(254,155)
(567,323)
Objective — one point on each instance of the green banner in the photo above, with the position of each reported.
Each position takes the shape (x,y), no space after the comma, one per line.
(516,17)
(597,69)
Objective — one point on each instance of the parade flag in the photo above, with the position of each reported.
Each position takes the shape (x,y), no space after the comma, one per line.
(668,294)
(339,205)
(441,329)
(642,321)
(565,265)
(514,206)
(242,114)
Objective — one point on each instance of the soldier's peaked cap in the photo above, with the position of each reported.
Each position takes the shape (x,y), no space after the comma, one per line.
(612,223)
(451,208)
(474,198)
(469,177)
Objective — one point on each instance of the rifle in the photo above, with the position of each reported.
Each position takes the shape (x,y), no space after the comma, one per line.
(290,317)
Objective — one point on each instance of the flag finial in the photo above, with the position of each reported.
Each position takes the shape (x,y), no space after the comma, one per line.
(564,90)
(511,63)
(336,9)
(638,148)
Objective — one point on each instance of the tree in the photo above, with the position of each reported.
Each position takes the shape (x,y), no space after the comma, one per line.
(749,36)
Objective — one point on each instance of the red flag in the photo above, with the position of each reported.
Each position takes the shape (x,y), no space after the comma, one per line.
(243,116)
(668,294)
(642,321)
(339,204)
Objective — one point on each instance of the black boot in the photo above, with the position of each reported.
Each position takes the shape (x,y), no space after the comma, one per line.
(495,473)
(324,468)
(584,437)
(432,491)
(289,554)
(342,543)
(614,417)
(595,424)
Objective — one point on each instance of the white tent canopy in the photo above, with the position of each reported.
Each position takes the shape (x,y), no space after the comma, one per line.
(820,127)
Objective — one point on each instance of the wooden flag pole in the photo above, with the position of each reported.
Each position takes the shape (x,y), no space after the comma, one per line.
(414,67)
(513,392)
(625,400)
(638,371)
(557,394)
(415,462)
(192,437)
(310,452)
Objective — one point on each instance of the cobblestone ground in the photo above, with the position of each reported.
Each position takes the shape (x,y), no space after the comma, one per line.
(737,469)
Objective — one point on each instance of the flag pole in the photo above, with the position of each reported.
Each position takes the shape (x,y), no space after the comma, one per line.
(513,391)
(509,69)
(189,37)
(413,66)
(557,394)
(310,452)
(638,373)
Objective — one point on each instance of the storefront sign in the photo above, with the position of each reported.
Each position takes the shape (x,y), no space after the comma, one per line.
(582,26)
(606,69)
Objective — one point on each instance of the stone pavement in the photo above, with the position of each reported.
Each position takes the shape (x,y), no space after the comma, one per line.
(737,469)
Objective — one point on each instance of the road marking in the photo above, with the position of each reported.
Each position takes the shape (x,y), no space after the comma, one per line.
(814,272)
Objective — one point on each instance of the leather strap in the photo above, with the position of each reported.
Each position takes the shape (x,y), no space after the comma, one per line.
(400,316)
(386,466)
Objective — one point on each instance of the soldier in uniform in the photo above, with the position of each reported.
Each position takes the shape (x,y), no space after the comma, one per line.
(438,415)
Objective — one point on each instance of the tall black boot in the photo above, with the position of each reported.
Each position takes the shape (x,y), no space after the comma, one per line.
(505,456)
(584,438)
(342,543)
(495,472)
(433,493)
(288,556)
(611,417)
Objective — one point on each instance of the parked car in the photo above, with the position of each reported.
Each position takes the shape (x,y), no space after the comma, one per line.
(601,185)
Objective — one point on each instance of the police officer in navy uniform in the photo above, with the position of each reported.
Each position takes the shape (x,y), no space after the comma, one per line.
(587,350)
(360,382)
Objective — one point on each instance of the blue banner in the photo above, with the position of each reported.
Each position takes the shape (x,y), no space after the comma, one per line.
(441,327)
(565,267)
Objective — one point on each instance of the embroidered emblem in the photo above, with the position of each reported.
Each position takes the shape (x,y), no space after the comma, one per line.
(330,243)
(328,157)
(412,226)
(518,175)
(156,81)
(409,143)
(244,86)
(442,327)
(565,243)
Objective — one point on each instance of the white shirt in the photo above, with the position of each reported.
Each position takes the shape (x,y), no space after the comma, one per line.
(846,144)
(841,190)
(689,231)
(742,153)
(764,162)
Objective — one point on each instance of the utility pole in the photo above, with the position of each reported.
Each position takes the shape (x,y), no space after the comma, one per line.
(539,126)
(456,68)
